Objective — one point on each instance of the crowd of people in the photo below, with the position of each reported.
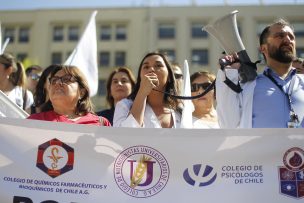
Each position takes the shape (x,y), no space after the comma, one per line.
(275,99)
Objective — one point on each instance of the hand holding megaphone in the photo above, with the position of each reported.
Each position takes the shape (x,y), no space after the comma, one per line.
(230,62)
(225,31)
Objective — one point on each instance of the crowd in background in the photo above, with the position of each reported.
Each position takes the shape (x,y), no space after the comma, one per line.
(275,98)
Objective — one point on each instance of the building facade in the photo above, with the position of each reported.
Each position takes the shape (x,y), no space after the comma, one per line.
(125,35)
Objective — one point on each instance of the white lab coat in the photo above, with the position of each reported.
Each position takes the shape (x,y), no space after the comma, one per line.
(234,110)
(123,118)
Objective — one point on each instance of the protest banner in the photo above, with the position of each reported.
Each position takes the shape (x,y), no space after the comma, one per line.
(56,162)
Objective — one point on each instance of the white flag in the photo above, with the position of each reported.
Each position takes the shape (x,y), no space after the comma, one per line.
(4,45)
(9,109)
(186,121)
(84,56)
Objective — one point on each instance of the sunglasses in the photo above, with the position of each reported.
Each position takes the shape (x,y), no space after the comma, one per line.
(178,76)
(35,77)
(66,79)
(196,86)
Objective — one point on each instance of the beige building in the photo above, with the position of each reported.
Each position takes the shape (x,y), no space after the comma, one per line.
(125,35)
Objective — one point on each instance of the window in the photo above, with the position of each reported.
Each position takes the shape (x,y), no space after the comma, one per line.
(298,29)
(105,32)
(73,33)
(121,32)
(102,89)
(9,33)
(21,56)
(300,52)
(166,31)
(104,58)
(120,58)
(58,33)
(260,27)
(56,58)
(24,33)
(197,32)
(199,56)
(170,54)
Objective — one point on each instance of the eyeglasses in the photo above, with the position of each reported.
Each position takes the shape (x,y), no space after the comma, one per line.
(66,79)
(178,76)
(35,76)
(196,86)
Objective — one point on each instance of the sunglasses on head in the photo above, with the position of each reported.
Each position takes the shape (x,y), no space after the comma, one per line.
(196,86)
(178,76)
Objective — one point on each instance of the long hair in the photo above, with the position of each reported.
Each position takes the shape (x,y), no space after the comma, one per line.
(170,86)
(109,97)
(17,77)
(84,104)
(41,92)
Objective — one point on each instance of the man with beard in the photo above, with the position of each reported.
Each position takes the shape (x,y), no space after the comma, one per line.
(275,99)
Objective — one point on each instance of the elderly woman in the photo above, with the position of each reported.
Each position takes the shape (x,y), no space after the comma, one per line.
(148,106)
(204,115)
(69,99)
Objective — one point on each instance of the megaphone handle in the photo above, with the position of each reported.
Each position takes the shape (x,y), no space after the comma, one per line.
(223,63)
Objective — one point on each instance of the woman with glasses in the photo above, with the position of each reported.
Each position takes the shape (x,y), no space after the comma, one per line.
(12,82)
(69,99)
(204,115)
(41,96)
(32,76)
(148,106)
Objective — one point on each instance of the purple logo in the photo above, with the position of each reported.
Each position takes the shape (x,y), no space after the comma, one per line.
(291,175)
(200,176)
(141,171)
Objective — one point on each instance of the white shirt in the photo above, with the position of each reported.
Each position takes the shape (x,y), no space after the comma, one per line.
(198,123)
(235,110)
(123,117)
(16,95)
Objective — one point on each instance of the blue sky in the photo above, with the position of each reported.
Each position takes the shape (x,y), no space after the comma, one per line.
(45,4)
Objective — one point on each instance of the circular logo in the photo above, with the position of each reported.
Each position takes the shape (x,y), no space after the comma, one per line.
(141,171)
(55,157)
(294,159)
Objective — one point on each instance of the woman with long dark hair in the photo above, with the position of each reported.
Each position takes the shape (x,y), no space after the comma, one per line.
(148,106)
(120,84)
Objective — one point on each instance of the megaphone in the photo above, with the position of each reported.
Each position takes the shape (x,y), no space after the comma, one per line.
(225,31)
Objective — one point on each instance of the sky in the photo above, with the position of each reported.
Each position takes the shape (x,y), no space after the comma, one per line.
(49,4)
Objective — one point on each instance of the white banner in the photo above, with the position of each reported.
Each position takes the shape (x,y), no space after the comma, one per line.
(56,162)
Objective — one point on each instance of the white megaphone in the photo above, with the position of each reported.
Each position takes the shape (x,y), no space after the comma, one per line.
(226,32)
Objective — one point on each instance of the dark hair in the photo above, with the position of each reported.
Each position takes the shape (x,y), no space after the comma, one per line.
(30,69)
(207,74)
(265,33)
(41,92)
(131,77)
(17,77)
(84,104)
(170,86)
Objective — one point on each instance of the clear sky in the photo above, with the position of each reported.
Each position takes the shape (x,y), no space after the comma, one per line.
(45,4)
